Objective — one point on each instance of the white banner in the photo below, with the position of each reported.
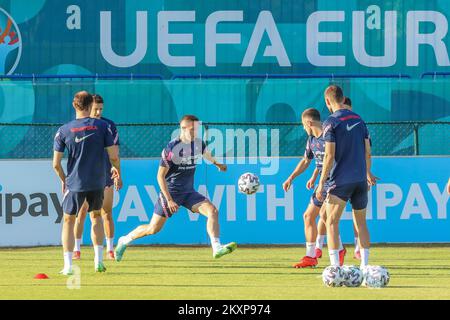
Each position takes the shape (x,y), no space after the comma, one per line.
(30,204)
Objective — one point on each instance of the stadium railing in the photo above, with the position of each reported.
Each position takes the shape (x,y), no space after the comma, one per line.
(146,140)
(131,76)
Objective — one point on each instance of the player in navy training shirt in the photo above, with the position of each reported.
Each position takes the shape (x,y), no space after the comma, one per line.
(347,165)
(315,149)
(176,180)
(85,139)
(108,222)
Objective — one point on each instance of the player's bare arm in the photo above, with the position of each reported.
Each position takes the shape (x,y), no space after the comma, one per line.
(57,157)
(330,150)
(113,153)
(312,181)
(208,156)
(161,177)
(371,179)
(301,167)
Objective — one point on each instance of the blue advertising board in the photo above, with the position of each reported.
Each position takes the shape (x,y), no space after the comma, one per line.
(409,204)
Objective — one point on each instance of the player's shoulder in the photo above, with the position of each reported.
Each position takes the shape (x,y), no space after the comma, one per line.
(108,121)
(172,143)
(67,126)
(320,139)
(100,123)
(330,122)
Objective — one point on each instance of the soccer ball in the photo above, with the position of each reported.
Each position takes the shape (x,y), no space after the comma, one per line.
(353,276)
(248,183)
(333,276)
(376,276)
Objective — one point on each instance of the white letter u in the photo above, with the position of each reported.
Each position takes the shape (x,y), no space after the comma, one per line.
(141,41)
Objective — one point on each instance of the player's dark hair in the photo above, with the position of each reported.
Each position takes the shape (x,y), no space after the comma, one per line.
(97,99)
(312,113)
(189,117)
(83,100)
(334,94)
(348,101)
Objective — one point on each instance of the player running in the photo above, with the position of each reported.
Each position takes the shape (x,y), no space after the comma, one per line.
(347,163)
(315,148)
(176,181)
(108,222)
(85,139)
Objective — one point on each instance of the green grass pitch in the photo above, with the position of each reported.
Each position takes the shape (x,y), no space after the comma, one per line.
(417,272)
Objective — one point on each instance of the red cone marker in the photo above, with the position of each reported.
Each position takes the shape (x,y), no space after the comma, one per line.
(41,276)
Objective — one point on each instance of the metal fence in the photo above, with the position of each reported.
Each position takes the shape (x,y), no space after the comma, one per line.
(35,141)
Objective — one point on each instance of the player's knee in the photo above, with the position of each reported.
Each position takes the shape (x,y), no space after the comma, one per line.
(213,212)
(107,216)
(332,221)
(152,229)
(308,217)
(96,219)
(69,219)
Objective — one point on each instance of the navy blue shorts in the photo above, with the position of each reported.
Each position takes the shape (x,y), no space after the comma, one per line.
(355,192)
(187,200)
(73,201)
(316,201)
(108,181)
(109,184)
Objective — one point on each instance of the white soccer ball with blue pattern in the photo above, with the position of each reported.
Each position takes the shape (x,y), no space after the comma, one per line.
(353,276)
(248,183)
(376,276)
(333,276)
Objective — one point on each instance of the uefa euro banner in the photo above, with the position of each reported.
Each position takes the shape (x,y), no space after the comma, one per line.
(223,37)
(407,205)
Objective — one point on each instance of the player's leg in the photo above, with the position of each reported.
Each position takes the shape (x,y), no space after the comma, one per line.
(359,202)
(95,202)
(309,218)
(108,222)
(72,202)
(97,237)
(199,204)
(68,242)
(334,207)
(79,227)
(321,232)
(357,251)
(359,217)
(155,225)
(159,218)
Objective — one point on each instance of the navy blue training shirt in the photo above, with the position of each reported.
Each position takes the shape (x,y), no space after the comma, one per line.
(315,149)
(115,133)
(181,159)
(348,131)
(85,140)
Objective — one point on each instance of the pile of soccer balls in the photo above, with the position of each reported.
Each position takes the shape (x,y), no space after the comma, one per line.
(352,276)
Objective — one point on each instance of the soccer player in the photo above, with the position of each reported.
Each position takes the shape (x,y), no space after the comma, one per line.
(448,186)
(357,251)
(321,225)
(347,163)
(176,181)
(315,148)
(108,222)
(85,139)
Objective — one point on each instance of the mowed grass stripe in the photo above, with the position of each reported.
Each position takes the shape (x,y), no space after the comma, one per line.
(191,273)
